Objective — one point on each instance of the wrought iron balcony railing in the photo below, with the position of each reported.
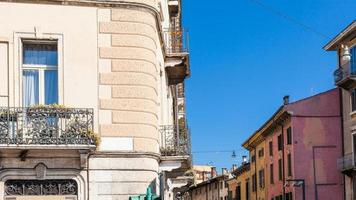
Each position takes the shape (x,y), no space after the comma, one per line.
(46,126)
(343,73)
(175,141)
(176,40)
(347,162)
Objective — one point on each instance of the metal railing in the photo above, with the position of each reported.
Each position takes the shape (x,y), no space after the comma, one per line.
(174,141)
(46,126)
(176,40)
(346,162)
(343,72)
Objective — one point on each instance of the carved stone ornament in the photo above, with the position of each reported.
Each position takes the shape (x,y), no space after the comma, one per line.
(41,170)
(40,187)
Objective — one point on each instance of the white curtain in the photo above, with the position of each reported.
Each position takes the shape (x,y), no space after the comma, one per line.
(51,87)
(30,87)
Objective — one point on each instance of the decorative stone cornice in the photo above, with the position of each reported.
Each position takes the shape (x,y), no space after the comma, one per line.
(99,154)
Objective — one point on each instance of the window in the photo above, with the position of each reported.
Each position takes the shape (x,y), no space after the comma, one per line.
(289,135)
(270,148)
(253,158)
(271,174)
(261,178)
(247,193)
(353,60)
(280,143)
(254,184)
(280,169)
(289,163)
(39,73)
(216,185)
(221,184)
(353,99)
(260,152)
(289,196)
(238,192)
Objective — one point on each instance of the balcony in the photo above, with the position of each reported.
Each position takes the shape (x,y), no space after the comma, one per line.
(346,164)
(345,76)
(46,127)
(177,54)
(175,141)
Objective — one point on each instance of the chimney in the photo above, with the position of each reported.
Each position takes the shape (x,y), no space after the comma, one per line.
(286,100)
(213,172)
(234,167)
(224,171)
(244,159)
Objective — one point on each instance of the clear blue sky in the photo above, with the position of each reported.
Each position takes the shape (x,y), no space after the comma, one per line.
(245,58)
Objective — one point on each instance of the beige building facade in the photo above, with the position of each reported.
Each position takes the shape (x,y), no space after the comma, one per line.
(89,96)
(215,188)
(344,44)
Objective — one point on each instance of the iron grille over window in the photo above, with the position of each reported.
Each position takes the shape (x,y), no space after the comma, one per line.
(40,187)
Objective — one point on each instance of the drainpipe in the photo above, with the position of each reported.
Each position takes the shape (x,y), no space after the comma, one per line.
(175,103)
(283,170)
(256,173)
(342,134)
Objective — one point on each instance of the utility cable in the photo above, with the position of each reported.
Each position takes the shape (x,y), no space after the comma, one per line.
(289,18)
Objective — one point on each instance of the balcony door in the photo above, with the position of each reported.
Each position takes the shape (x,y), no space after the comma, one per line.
(353,60)
(39,73)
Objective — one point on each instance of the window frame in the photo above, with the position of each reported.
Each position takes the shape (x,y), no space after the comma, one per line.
(289,164)
(280,142)
(289,135)
(271,173)
(40,68)
(352,108)
(270,145)
(19,39)
(280,173)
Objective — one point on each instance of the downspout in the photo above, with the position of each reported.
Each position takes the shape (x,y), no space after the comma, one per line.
(256,173)
(88,181)
(342,134)
(283,170)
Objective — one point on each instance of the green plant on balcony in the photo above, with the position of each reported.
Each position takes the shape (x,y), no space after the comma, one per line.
(51,110)
(8,115)
(189,172)
(168,151)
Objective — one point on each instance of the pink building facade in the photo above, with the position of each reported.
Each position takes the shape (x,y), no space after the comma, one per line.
(303,142)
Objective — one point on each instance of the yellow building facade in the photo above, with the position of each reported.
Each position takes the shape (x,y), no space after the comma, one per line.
(257,174)
(240,184)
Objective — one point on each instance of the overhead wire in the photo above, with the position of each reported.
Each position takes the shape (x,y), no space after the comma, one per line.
(289,18)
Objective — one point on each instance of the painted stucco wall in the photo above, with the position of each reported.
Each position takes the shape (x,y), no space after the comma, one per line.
(255,167)
(316,145)
(319,140)
(241,181)
(275,188)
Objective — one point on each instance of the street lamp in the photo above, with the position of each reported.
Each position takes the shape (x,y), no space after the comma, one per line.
(298,183)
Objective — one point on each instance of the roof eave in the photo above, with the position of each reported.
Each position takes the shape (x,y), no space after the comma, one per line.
(334,43)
